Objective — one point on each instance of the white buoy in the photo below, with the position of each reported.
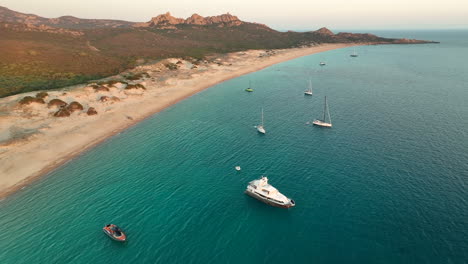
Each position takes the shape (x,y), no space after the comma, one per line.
(238,168)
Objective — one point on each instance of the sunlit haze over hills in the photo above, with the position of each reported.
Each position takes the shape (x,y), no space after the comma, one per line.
(281,15)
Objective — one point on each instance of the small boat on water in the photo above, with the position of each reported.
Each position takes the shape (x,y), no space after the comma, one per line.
(260,127)
(249,89)
(309,91)
(115,232)
(322,63)
(261,190)
(238,168)
(322,122)
(354,53)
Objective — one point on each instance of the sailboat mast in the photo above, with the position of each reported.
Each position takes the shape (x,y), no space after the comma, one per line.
(262,116)
(328,111)
(324,108)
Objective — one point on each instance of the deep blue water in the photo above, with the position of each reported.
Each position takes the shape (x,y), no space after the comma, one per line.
(387,184)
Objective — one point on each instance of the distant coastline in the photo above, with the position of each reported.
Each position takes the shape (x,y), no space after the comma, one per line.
(41,53)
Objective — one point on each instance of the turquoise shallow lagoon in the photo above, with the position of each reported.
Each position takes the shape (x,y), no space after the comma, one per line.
(387,184)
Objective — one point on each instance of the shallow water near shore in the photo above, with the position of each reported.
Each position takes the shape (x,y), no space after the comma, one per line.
(387,184)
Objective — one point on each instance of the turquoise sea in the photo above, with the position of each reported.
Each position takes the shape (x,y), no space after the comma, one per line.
(387,184)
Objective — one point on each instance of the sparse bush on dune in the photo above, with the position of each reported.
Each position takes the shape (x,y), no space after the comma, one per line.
(107,98)
(100,88)
(171,66)
(74,106)
(57,103)
(62,112)
(135,86)
(91,111)
(137,76)
(42,95)
(29,100)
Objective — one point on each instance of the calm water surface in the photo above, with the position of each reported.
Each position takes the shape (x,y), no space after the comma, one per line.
(387,184)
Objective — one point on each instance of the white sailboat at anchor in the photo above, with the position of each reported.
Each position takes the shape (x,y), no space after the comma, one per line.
(260,127)
(323,122)
(309,91)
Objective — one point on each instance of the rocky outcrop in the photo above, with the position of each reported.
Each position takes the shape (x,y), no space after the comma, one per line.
(168,21)
(163,20)
(324,31)
(74,106)
(56,103)
(196,19)
(91,111)
(224,18)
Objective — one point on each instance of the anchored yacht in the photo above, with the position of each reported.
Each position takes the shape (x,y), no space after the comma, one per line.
(323,122)
(261,190)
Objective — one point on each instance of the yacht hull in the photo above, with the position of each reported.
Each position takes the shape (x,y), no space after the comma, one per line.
(321,123)
(261,130)
(268,201)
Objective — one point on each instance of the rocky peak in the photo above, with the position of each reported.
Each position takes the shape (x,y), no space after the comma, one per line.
(166,19)
(325,31)
(196,19)
(224,18)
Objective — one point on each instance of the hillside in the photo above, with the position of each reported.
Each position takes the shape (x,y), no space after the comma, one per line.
(45,53)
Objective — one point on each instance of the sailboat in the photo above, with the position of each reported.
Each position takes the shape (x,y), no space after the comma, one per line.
(309,91)
(249,89)
(322,63)
(260,127)
(354,53)
(323,121)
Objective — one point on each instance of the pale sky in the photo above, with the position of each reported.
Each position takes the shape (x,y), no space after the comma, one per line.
(285,14)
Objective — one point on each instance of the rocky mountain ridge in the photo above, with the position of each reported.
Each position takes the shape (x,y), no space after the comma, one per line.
(168,21)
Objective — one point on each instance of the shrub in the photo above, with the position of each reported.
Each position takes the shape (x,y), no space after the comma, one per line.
(135,86)
(171,66)
(29,99)
(42,95)
(56,102)
(91,111)
(74,106)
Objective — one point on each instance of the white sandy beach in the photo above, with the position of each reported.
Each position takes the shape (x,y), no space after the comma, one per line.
(33,141)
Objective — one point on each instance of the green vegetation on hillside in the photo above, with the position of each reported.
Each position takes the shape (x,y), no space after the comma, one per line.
(33,60)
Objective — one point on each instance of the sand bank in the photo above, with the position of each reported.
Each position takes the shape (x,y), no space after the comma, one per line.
(34,142)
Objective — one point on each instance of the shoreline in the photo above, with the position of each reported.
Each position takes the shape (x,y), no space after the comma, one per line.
(201,81)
